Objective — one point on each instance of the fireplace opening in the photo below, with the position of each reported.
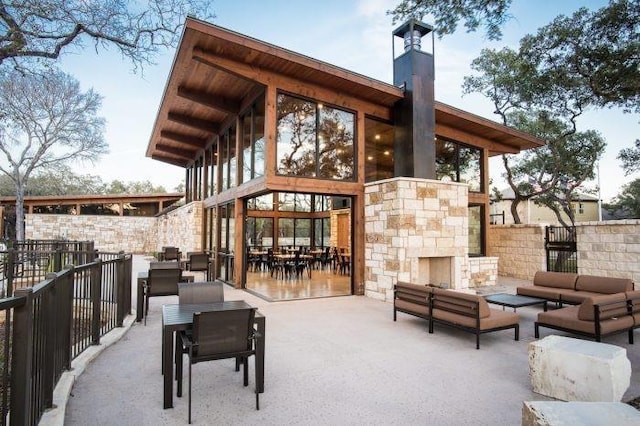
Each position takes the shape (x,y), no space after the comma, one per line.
(436,271)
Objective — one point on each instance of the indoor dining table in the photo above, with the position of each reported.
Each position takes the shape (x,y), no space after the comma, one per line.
(179,317)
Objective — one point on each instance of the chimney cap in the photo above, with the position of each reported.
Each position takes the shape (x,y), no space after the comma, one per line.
(413,25)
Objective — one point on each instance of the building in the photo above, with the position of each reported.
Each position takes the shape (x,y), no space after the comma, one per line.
(285,150)
(585,208)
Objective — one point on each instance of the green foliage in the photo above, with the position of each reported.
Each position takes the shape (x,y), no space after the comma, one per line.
(630,158)
(587,60)
(446,14)
(627,203)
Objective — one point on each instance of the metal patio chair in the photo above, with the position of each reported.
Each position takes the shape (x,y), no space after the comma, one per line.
(161,282)
(220,335)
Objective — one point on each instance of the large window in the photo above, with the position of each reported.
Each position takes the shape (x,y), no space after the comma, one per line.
(294,232)
(378,150)
(459,163)
(253,143)
(314,140)
(259,232)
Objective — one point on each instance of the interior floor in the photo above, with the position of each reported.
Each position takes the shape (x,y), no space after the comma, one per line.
(323,283)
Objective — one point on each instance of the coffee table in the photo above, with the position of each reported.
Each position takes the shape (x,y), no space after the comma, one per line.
(514,300)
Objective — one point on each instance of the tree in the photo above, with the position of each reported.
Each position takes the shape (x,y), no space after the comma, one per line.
(627,202)
(630,158)
(47,121)
(491,13)
(43,29)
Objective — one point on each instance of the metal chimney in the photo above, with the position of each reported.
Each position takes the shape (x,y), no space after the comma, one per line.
(414,116)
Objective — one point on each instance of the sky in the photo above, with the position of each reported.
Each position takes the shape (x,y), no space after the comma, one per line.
(352,34)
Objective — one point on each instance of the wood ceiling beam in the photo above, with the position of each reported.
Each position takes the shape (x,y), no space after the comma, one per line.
(184,139)
(169,160)
(219,103)
(474,140)
(182,153)
(193,122)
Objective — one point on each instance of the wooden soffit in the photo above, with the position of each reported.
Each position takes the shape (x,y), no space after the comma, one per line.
(216,71)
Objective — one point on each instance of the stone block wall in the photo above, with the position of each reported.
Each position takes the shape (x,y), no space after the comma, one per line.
(519,249)
(483,271)
(110,233)
(610,249)
(408,221)
(182,228)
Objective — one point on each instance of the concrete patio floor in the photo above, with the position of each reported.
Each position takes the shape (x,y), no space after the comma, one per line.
(339,360)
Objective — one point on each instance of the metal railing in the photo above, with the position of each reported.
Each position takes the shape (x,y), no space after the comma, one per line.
(49,324)
(25,263)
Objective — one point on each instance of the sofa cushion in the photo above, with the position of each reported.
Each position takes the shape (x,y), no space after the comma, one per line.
(462,303)
(568,318)
(537,291)
(416,308)
(414,293)
(555,279)
(605,285)
(611,306)
(577,297)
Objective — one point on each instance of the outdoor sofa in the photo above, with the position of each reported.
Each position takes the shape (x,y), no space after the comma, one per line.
(465,311)
(596,316)
(561,287)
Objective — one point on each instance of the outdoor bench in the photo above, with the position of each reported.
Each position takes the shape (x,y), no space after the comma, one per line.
(561,287)
(468,312)
(596,316)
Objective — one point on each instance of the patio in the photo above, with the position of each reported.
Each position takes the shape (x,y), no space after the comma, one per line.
(336,360)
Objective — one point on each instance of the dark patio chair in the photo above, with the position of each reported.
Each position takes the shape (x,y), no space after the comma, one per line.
(164,265)
(220,335)
(200,292)
(171,253)
(161,282)
(199,261)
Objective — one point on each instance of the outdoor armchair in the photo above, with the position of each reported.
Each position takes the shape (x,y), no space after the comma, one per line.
(170,253)
(220,335)
(160,282)
(200,292)
(199,261)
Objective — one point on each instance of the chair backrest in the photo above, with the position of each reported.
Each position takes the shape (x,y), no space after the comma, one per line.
(164,265)
(200,292)
(171,253)
(198,261)
(222,334)
(164,282)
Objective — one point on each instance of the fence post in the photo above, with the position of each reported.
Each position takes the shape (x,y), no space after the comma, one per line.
(47,325)
(22,360)
(120,296)
(11,257)
(57,258)
(64,319)
(96,296)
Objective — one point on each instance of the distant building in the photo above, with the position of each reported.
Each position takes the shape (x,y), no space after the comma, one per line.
(585,207)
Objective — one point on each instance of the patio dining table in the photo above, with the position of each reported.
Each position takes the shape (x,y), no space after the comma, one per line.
(178,317)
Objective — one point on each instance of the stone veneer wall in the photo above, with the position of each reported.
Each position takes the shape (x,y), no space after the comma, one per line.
(182,228)
(483,271)
(610,249)
(407,219)
(110,233)
(519,248)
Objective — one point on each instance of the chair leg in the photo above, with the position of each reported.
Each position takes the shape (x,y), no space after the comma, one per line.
(189,386)
(245,361)
(237,363)
(146,308)
(178,361)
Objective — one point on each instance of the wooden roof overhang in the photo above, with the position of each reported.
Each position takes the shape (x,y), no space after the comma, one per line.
(216,71)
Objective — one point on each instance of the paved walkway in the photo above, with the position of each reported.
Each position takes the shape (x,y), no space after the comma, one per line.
(329,361)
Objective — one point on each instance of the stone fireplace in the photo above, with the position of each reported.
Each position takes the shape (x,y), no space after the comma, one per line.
(416,230)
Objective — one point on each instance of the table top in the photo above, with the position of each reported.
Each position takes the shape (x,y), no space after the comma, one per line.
(512,300)
(179,314)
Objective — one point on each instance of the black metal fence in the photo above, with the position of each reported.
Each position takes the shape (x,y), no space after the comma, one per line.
(561,247)
(25,263)
(49,324)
